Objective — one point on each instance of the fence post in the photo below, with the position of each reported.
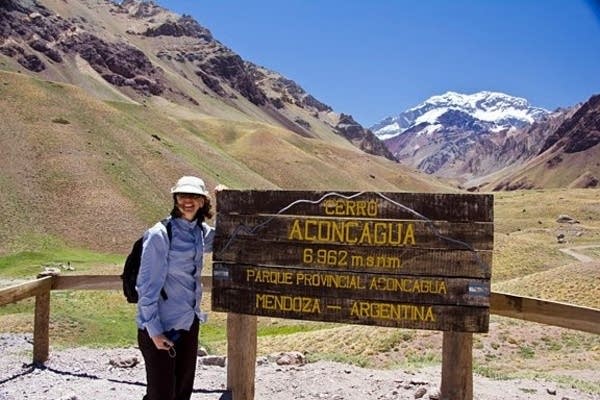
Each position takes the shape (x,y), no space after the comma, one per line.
(41,327)
(457,366)
(241,355)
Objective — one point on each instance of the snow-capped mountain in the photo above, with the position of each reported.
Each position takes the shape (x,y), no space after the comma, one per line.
(460,136)
(497,111)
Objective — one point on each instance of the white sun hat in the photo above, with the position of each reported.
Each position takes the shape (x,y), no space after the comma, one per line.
(190,184)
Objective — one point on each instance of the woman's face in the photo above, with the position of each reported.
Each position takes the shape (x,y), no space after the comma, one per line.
(189,204)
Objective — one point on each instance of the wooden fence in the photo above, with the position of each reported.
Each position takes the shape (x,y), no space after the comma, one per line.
(457,374)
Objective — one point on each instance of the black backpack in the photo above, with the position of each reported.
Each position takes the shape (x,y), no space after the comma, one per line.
(132,267)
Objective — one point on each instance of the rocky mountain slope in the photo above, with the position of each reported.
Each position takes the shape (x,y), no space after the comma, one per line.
(144,50)
(569,157)
(460,136)
(483,110)
(104,106)
(475,139)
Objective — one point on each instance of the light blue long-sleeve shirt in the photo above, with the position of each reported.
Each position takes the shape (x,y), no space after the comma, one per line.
(176,267)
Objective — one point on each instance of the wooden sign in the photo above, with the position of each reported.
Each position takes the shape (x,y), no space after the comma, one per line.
(411,260)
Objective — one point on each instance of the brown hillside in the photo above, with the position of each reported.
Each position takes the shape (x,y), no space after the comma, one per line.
(104,105)
(95,173)
(570,157)
(138,51)
(572,283)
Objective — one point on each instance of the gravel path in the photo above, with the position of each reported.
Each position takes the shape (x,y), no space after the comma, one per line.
(572,251)
(92,374)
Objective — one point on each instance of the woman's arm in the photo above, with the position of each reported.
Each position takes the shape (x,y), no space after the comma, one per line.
(152,276)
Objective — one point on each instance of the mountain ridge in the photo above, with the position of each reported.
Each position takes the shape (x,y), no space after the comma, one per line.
(135,120)
(145,50)
(473,139)
(568,157)
(103,110)
(501,110)
(87,157)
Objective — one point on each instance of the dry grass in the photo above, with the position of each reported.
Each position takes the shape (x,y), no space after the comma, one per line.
(575,283)
(568,170)
(107,166)
(525,240)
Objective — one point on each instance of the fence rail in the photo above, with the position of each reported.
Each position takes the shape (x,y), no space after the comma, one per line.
(457,346)
(546,312)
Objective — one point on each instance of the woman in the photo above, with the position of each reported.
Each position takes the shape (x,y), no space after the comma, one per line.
(169,289)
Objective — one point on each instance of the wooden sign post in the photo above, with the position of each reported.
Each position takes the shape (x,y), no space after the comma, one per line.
(409,260)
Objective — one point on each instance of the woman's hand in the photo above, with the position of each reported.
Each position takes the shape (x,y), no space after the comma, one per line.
(220,187)
(162,343)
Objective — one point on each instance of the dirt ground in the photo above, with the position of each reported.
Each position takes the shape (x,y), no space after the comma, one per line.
(82,373)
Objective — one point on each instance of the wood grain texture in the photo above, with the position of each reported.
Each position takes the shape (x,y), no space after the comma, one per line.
(433,206)
(241,355)
(347,241)
(351,285)
(546,312)
(349,311)
(457,366)
(14,293)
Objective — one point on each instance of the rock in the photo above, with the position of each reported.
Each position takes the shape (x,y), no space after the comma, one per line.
(302,123)
(310,101)
(231,68)
(11,50)
(124,362)
(262,361)
(435,395)
(32,62)
(212,83)
(565,219)
(49,271)
(185,26)
(551,390)
(363,138)
(291,358)
(219,361)
(202,352)
(118,63)
(43,47)
(420,392)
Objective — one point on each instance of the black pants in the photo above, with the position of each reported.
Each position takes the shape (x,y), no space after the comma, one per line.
(170,378)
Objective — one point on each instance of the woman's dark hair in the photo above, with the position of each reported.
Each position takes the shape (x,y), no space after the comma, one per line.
(202,214)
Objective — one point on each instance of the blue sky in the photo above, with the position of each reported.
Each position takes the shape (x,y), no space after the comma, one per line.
(376,58)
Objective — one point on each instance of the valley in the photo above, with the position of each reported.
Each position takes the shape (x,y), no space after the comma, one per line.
(104,105)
